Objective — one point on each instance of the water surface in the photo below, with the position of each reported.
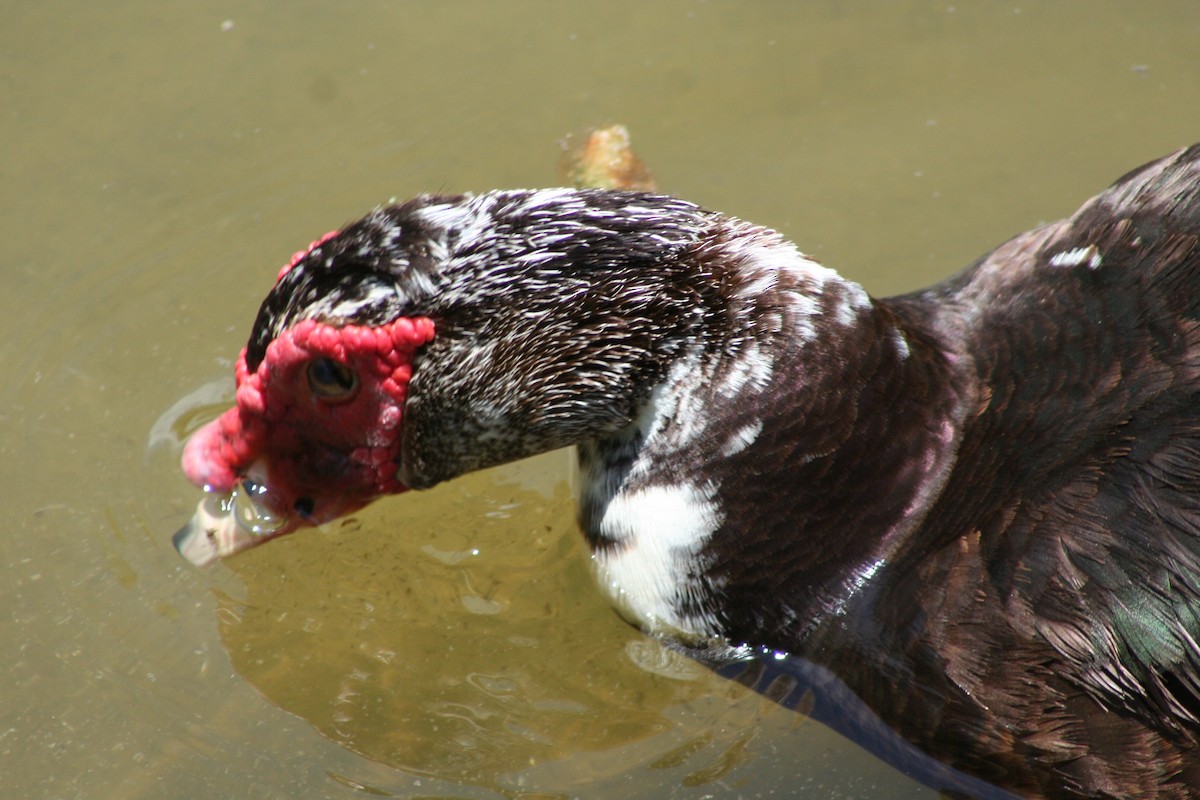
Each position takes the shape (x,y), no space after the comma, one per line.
(162,160)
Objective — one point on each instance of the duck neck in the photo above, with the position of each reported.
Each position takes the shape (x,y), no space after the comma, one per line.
(769,478)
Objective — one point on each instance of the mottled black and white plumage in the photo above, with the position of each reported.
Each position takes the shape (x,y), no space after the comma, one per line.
(977,506)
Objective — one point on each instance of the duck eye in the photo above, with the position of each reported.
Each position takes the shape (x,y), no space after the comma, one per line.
(331,381)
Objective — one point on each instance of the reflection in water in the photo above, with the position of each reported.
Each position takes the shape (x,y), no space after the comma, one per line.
(347,628)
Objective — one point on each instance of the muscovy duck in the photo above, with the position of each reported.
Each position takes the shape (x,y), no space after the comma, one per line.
(977,505)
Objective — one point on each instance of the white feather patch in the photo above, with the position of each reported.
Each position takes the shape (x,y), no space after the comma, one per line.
(677,408)
(658,534)
(1089,255)
(349,308)
(853,301)
(768,262)
(751,371)
(742,438)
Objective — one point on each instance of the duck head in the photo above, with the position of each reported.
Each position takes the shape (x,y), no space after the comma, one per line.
(440,336)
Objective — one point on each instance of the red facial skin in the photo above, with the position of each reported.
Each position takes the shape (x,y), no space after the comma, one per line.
(314,457)
(318,458)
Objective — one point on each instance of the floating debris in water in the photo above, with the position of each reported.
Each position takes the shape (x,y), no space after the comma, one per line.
(605,160)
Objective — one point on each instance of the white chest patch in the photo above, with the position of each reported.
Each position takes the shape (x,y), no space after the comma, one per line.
(655,563)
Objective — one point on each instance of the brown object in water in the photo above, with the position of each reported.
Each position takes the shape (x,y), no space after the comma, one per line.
(605,160)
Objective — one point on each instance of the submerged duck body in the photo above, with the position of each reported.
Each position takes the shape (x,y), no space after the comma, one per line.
(977,506)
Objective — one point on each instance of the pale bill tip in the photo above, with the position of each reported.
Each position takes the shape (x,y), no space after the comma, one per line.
(225,524)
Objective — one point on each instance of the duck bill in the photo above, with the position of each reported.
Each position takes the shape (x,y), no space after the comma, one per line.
(224,525)
(253,513)
(246,516)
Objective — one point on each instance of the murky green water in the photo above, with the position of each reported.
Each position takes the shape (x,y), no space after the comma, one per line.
(161,160)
